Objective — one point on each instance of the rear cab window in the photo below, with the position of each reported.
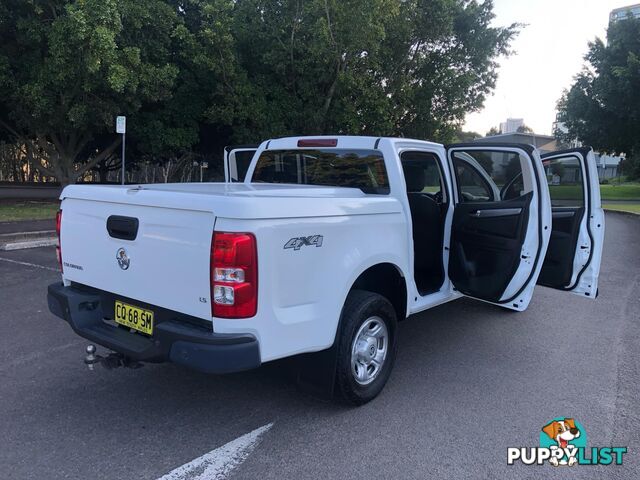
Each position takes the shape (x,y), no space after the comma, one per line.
(334,167)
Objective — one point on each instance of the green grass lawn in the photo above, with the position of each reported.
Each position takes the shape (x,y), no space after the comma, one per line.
(27,210)
(629,191)
(622,207)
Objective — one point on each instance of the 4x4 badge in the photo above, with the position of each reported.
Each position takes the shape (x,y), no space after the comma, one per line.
(297,242)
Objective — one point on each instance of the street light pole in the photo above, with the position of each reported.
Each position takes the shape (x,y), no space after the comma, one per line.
(203,165)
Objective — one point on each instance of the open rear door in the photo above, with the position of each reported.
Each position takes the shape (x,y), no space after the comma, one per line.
(573,258)
(501,222)
(237,159)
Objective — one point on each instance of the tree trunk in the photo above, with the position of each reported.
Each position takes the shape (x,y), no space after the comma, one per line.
(65,175)
(341,65)
(103,171)
(62,158)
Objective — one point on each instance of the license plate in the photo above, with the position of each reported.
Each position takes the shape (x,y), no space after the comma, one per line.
(134,317)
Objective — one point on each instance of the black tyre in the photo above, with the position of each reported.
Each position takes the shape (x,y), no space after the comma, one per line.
(366,346)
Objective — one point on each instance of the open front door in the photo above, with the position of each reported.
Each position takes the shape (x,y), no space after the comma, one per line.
(501,222)
(573,258)
(236,162)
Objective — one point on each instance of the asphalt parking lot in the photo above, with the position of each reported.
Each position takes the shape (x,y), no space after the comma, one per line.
(470,381)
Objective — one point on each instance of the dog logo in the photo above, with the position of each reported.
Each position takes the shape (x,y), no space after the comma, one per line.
(564,433)
(123,259)
(563,442)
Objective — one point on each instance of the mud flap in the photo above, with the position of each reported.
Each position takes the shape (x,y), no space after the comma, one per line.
(316,372)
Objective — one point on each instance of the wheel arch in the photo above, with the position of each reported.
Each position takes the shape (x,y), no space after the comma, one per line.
(317,369)
(388,280)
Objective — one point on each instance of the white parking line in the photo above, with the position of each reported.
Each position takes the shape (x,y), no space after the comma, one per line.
(26,264)
(218,463)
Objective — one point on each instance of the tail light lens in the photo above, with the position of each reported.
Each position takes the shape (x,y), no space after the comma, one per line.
(234,275)
(58,246)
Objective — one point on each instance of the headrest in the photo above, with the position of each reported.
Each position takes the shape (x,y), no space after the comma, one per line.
(415,178)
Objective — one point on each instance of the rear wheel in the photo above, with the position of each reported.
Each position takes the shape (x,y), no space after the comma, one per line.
(366,346)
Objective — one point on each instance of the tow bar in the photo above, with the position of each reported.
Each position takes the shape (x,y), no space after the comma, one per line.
(111,361)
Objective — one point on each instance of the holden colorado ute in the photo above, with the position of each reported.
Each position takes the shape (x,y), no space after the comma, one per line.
(325,244)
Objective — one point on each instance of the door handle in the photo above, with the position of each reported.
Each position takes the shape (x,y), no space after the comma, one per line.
(496,212)
(125,228)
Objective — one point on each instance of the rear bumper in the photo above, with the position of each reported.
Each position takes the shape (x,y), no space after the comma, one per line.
(176,338)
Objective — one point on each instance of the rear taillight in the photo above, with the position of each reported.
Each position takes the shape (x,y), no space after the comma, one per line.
(234,275)
(58,245)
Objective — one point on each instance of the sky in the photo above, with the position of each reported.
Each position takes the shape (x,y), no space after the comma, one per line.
(548,53)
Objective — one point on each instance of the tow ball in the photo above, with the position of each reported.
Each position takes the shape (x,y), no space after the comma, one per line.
(110,361)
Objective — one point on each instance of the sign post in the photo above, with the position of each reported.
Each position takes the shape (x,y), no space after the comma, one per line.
(121,127)
(203,165)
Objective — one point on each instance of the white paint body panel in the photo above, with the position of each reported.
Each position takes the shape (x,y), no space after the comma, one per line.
(168,260)
(301,292)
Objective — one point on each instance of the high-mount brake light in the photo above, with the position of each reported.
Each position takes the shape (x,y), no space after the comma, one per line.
(58,245)
(234,275)
(318,142)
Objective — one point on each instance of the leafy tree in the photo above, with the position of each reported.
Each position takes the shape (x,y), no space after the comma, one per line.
(630,167)
(193,74)
(378,67)
(67,68)
(601,107)
(492,132)
(485,159)
(512,169)
(461,136)
(524,129)
(202,51)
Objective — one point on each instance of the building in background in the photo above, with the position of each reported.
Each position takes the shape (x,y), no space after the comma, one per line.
(608,166)
(511,125)
(623,12)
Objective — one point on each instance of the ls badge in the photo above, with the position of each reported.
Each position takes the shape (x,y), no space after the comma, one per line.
(298,242)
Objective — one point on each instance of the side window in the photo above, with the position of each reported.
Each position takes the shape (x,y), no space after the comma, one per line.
(488,176)
(472,187)
(239,161)
(564,176)
(422,173)
(243,160)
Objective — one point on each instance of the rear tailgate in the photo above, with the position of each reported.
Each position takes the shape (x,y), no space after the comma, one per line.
(168,261)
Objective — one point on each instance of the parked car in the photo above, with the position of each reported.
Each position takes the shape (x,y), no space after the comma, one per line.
(319,251)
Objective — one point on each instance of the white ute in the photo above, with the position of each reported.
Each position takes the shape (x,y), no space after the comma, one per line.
(323,247)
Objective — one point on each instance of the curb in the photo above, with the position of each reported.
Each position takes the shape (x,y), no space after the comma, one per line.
(22,240)
(622,212)
(45,242)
